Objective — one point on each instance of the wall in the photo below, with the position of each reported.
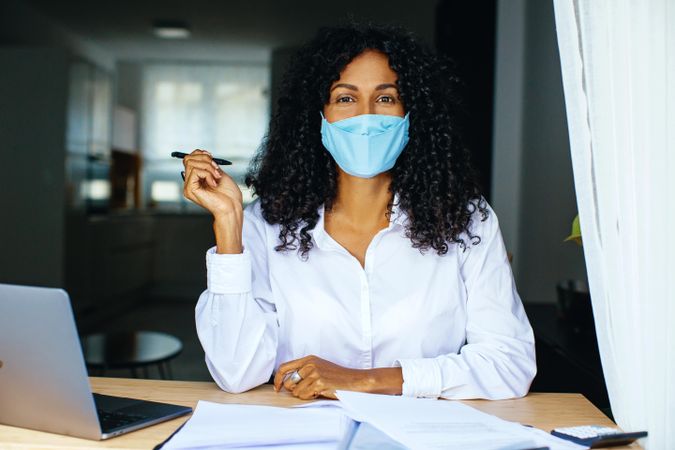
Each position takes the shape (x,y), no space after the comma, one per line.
(129,85)
(32,145)
(35,53)
(508,120)
(129,82)
(533,190)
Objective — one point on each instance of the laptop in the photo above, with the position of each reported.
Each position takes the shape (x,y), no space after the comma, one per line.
(43,378)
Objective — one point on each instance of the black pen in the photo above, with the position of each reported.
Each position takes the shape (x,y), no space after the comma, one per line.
(219,161)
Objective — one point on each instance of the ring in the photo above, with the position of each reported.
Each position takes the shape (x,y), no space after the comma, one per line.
(295,377)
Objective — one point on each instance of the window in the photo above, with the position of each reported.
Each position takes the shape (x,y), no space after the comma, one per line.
(220,108)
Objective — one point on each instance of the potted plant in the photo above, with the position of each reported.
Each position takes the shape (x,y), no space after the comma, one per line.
(574,298)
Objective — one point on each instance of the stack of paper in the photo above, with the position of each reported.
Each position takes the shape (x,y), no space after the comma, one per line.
(215,425)
(438,424)
(379,422)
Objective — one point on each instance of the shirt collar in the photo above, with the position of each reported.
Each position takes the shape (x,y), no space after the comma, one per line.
(324,240)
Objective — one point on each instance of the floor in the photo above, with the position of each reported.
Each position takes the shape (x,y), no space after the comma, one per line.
(174,316)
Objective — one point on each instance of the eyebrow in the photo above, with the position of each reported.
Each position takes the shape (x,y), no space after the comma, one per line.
(379,87)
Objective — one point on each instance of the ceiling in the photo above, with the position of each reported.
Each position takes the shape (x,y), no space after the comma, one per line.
(222,30)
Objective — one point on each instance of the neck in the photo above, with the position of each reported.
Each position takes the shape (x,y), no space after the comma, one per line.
(362,202)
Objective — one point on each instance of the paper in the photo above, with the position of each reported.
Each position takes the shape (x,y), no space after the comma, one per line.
(215,425)
(440,424)
(329,404)
(388,422)
(367,437)
(320,404)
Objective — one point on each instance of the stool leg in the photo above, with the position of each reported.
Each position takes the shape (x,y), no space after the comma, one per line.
(146,374)
(168,370)
(162,374)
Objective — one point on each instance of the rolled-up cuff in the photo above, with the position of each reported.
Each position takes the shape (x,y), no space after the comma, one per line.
(228,273)
(421,377)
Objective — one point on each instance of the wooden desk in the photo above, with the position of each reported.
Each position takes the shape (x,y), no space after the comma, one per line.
(544,411)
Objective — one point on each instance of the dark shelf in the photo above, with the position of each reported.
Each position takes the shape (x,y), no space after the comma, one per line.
(568,359)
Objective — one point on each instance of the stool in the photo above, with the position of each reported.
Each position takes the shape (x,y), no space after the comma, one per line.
(131,350)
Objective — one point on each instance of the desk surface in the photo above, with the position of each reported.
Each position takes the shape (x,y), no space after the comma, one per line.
(544,411)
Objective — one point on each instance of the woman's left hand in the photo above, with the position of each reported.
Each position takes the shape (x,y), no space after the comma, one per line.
(320,378)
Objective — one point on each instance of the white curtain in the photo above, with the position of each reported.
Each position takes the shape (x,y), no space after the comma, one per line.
(618,67)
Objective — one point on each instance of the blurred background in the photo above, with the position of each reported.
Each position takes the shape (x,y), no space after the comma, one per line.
(94,96)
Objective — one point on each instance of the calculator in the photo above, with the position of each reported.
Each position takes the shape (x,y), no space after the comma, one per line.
(596,436)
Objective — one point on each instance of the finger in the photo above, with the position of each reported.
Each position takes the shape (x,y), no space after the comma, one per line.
(306,372)
(282,376)
(315,387)
(204,166)
(195,177)
(323,389)
(203,157)
(206,154)
(306,390)
(187,193)
(328,393)
(286,367)
(288,382)
(198,155)
(289,366)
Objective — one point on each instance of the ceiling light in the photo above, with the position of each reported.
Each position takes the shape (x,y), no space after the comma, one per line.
(171,29)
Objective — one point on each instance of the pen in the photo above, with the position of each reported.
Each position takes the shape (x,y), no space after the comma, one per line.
(219,161)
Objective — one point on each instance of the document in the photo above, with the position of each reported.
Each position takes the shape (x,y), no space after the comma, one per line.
(357,421)
(215,425)
(439,424)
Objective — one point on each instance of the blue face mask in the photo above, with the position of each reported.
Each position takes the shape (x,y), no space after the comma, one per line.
(365,145)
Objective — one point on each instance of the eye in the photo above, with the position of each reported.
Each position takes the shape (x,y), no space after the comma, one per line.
(344,99)
(386,99)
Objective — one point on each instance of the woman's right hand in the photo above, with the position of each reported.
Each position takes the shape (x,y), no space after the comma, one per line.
(214,190)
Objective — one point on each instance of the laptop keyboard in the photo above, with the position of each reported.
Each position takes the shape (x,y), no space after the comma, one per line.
(112,420)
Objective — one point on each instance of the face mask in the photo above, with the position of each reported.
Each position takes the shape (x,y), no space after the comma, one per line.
(365,145)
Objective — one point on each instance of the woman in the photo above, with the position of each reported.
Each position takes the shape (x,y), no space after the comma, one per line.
(370,261)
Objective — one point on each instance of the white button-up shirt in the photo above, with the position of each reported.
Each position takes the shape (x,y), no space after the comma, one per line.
(454,323)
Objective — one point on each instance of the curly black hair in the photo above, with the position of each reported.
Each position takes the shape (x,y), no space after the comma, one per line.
(293,174)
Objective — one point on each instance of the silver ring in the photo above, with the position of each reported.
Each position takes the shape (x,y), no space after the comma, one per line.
(295,377)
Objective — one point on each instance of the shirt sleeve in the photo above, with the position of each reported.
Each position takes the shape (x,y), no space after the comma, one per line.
(498,359)
(236,315)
